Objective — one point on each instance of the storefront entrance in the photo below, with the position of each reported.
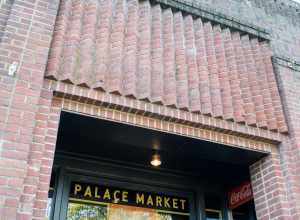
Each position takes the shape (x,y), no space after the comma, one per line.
(102,170)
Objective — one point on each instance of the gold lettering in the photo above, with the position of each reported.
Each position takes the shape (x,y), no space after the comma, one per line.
(124,196)
(166,202)
(96,193)
(115,196)
(120,195)
(182,201)
(149,200)
(175,203)
(140,198)
(106,194)
(158,201)
(77,189)
(88,192)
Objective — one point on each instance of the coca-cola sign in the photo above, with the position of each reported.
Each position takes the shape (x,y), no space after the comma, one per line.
(240,195)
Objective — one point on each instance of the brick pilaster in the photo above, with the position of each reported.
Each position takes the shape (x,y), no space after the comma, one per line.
(289,82)
(270,189)
(25,43)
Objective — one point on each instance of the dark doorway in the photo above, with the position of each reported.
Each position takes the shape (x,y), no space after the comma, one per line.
(92,148)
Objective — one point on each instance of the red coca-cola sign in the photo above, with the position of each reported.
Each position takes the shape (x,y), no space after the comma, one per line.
(240,195)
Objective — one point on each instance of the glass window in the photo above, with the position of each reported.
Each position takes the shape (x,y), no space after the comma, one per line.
(244,212)
(213,214)
(82,211)
(98,202)
(77,211)
(50,196)
(213,207)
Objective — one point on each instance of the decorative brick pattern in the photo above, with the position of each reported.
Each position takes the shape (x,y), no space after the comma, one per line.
(278,17)
(203,9)
(141,107)
(155,67)
(132,31)
(178,128)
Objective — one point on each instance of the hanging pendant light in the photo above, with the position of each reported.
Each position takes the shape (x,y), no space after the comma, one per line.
(156,160)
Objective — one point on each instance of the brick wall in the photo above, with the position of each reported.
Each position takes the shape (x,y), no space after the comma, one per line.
(279,17)
(289,82)
(270,189)
(25,40)
(269,186)
(29,115)
(5,6)
(149,52)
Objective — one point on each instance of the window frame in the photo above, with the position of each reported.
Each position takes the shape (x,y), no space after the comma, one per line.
(102,172)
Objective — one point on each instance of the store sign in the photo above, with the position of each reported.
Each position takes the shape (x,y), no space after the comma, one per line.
(240,195)
(106,194)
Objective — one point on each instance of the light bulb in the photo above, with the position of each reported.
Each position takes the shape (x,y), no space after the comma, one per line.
(155,160)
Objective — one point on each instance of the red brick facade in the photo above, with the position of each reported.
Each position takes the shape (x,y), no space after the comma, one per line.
(169,72)
(26,41)
(143,51)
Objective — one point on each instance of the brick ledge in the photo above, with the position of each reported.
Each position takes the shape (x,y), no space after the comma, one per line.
(140,107)
(287,62)
(205,12)
(130,118)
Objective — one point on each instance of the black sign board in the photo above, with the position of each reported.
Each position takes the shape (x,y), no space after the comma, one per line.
(108,194)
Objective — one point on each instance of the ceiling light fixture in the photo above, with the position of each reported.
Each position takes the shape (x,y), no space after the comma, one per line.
(155,161)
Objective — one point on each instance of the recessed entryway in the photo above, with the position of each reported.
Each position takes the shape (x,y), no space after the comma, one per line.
(100,155)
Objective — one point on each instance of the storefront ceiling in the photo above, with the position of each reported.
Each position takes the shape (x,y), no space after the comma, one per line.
(85,136)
